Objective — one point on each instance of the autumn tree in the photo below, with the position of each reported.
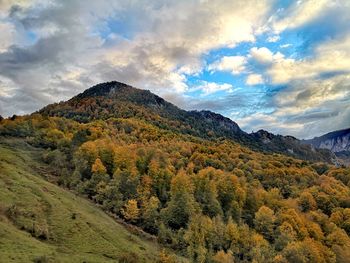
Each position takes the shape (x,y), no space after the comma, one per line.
(285,235)
(307,202)
(129,181)
(230,195)
(308,250)
(131,211)
(165,257)
(206,193)
(232,235)
(182,204)
(99,173)
(223,257)
(150,215)
(265,222)
(109,196)
(198,237)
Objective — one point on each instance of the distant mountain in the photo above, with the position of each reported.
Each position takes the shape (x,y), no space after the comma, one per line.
(337,141)
(118,100)
(291,146)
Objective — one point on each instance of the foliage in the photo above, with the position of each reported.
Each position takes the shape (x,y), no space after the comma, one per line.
(210,200)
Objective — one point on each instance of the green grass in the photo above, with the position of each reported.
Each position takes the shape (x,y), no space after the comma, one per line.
(41,222)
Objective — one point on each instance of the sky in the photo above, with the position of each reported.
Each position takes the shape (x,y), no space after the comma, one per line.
(282,66)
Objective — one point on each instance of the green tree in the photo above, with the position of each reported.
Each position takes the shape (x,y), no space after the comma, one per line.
(182,204)
(199,236)
(206,193)
(150,215)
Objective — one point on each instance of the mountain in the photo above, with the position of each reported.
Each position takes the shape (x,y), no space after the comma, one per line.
(291,146)
(337,141)
(118,100)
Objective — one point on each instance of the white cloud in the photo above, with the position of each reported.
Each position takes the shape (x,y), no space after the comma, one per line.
(329,57)
(299,14)
(269,122)
(7,36)
(306,109)
(213,87)
(264,56)
(285,45)
(254,79)
(273,38)
(233,64)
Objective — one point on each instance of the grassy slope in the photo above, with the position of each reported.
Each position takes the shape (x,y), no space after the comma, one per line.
(67,227)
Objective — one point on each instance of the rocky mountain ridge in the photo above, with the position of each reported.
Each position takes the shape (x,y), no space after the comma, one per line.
(337,141)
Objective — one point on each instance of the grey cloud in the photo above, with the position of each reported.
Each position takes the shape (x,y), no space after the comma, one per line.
(313,116)
(46,50)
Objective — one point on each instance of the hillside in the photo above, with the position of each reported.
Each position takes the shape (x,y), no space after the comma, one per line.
(41,222)
(208,200)
(118,100)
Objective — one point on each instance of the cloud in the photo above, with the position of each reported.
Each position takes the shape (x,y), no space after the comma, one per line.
(273,38)
(233,64)
(254,79)
(213,87)
(62,47)
(264,56)
(285,45)
(266,121)
(306,108)
(7,35)
(257,59)
(332,57)
(230,105)
(299,13)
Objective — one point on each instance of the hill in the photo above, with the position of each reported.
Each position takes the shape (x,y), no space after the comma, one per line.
(41,222)
(118,100)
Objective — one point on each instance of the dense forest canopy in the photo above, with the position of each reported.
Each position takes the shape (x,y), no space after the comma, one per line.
(211,200)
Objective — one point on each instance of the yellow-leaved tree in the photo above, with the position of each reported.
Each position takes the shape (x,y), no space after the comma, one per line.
(131,211)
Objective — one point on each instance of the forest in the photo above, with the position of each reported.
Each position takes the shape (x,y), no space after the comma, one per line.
(208,200)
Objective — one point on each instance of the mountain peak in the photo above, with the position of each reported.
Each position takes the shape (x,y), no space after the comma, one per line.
(124,93)
(103,89)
